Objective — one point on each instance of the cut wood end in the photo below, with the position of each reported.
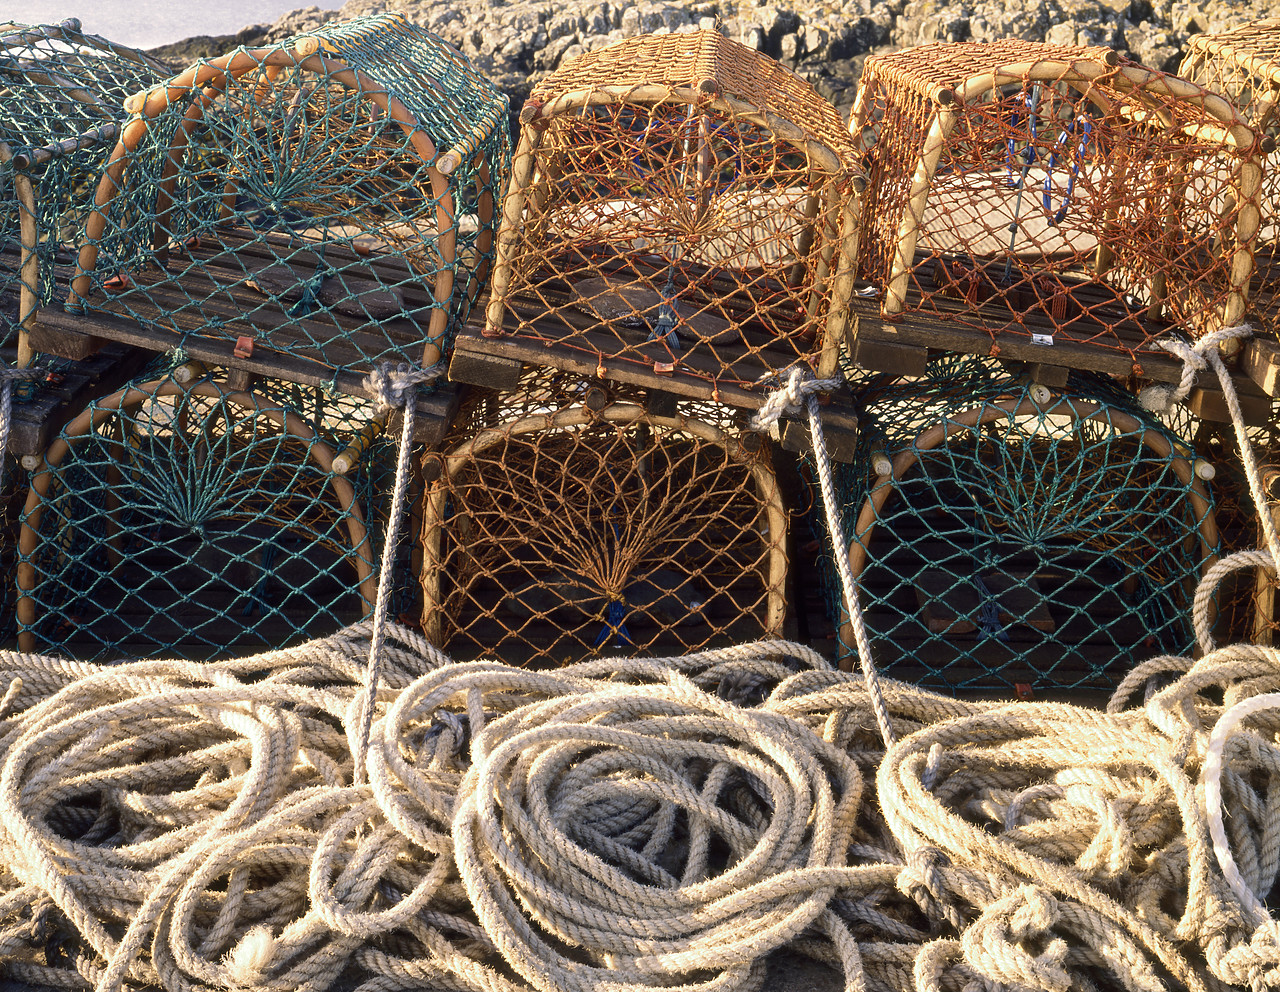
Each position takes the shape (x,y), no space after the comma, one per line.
(305,47)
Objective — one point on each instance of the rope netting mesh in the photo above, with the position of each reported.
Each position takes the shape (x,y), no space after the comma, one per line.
(561,522)
(62,92)
(196,518)
(678,202)
(1052,191)
(1243,65)
(1003,533)
(329,198)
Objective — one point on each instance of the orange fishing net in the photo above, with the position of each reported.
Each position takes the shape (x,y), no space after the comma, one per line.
(562,522)
(1244,66)
(680,205)
(1054,193)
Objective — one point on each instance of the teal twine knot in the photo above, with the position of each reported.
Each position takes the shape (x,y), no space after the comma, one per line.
(311,290)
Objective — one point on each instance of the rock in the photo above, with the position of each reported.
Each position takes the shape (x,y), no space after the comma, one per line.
(789,50)
(1151,46)
(550,55)
(299,22)
(517,42)
(566,24)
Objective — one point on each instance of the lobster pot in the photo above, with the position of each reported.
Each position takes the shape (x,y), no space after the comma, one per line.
(63,90)
(1052,195)
(322,205)
(1243,65)
(1006,534)
(680,205)
(170,517)
(579,524)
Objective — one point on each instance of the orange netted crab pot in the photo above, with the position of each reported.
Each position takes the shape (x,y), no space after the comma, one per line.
(681,211)
(1243,65)
(1054,203)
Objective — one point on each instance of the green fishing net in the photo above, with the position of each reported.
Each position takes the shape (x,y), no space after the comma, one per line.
(330,198)
(199,519)
(1052,538)
(58,84)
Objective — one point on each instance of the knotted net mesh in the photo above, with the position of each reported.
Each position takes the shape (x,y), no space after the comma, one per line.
(560,522)
(1023,535)
(329,198)
(680,203)
(62,92)
(1053,193)
(197,518)
(1243,65)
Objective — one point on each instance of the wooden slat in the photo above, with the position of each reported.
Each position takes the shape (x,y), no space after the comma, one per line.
(434,412)
(36,423)
(920,330)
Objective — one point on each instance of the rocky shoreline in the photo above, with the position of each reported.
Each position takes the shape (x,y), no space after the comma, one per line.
(517,42)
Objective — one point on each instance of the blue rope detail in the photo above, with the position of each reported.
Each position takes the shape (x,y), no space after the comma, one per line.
(665,328)
(615,622)
(1064,139)
(1028,155)
(258,595)
(311,291)
(989,612)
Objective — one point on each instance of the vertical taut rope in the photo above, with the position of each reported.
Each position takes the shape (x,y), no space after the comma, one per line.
(802,385)
(394,387)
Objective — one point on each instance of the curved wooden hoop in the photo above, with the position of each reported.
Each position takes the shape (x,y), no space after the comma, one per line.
(433,522)
(970,420)
(132,397)
(819,153)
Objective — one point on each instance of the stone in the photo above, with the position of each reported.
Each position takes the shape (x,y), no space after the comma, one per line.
(566,24)
(550,55)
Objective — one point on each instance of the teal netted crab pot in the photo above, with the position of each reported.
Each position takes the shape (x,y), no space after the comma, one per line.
(62,94)
(321,205)
(191,516)
(1003,533)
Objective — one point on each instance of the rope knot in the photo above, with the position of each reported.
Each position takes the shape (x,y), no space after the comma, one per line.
(1255,963)
(922,881)
(393,386)
(1011,944)
(1160,399)
(790,397)
(449,731)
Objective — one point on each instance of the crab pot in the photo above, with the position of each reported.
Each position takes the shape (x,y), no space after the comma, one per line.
(1052,195)
(194,518)
(564,521)
(1243,65)
(61,92)
(1002,533)
(680,206)
(321,205)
